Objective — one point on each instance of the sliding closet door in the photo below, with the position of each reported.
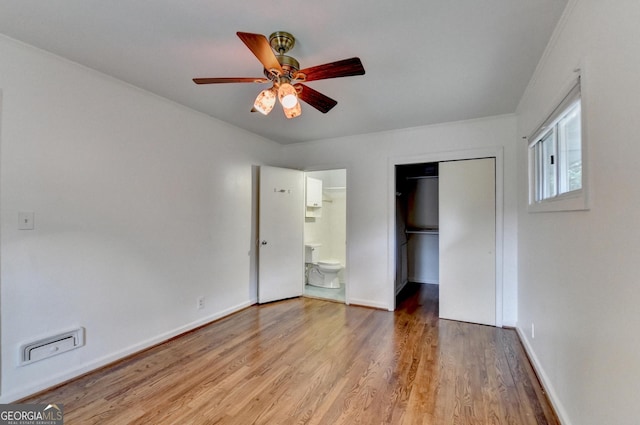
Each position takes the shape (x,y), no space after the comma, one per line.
(467,210)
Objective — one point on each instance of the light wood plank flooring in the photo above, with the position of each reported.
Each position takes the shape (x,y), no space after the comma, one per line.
(309,361)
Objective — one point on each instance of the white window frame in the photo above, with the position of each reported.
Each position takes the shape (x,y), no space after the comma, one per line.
(568,201)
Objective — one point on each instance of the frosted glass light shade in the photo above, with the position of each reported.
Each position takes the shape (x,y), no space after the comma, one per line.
(293,112)
(287,95)
(265,101)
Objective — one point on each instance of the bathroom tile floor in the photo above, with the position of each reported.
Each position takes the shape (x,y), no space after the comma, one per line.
(325,293)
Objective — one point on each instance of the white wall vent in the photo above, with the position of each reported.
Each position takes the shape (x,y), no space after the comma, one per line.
(51,346)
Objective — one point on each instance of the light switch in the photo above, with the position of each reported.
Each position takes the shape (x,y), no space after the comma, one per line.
(25,220)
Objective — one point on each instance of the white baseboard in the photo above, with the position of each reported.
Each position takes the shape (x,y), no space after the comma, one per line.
(368,303)
(82,369)
(419,280)
(544,379)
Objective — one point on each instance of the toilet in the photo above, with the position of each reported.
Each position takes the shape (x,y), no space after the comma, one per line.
(322,273)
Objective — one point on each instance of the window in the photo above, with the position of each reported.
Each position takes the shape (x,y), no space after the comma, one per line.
(555,158)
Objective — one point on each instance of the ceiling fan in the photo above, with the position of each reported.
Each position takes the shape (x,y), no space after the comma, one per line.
(286,76)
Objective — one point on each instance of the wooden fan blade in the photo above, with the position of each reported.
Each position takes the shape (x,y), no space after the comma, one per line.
(343,68)
(229,80)
(316,99)
(260,47)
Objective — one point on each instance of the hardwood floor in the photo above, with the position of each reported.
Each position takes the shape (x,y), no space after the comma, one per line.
(308,361)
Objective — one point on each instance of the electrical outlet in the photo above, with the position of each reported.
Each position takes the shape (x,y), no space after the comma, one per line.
(533,331)
(200,303)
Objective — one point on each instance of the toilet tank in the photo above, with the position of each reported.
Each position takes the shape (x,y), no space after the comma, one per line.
(312,252)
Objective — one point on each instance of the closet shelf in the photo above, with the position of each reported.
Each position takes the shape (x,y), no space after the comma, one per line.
(425,231)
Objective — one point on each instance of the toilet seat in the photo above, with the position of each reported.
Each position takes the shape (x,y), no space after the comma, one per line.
(329,266)
(325,274)
(329,262)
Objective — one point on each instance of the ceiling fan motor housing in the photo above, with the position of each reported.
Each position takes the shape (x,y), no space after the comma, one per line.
(281,42)
(289,65)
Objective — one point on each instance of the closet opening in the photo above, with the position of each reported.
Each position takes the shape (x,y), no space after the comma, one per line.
(417,225)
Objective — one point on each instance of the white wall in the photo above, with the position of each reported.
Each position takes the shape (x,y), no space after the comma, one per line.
(423,249)
(423,203)
(141,206)
(578,271)
(370,204)
(423,258)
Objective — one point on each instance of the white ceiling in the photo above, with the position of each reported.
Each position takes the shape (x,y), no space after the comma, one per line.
(426,61)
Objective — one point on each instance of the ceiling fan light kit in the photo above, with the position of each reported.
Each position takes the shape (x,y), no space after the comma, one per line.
(265,101)
(287,95)
(286,76)
(292,112)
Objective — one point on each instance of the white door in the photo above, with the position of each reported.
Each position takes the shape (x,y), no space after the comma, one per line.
(467,211)
(281,240)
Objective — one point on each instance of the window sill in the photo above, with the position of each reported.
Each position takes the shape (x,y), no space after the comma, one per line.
(574,201)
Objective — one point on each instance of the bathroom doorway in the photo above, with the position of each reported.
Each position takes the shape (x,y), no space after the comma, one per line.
(325,234)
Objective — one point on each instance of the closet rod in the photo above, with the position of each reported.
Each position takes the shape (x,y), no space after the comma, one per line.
(421,177)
